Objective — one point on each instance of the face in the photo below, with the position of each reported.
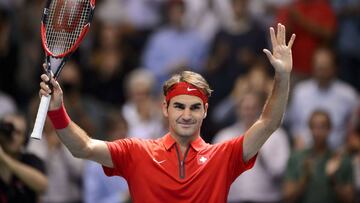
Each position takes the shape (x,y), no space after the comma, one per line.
(185,114)
(324,66)
(320,128)
(176,14)
(14,145)
(240,8)
(140,92)
(248,109)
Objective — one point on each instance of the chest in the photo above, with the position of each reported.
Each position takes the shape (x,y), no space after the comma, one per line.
(175,170)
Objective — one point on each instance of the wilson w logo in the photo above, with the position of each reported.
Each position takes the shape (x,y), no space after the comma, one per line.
(67,15)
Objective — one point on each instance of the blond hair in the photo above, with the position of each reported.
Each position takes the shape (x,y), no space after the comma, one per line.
(190,77)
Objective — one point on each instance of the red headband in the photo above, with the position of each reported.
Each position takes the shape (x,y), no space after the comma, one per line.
(185,88)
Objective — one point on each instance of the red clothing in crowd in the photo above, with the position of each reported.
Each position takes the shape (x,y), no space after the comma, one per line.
(316,12)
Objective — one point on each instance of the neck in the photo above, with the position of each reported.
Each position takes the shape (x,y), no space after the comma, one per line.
(320,149)
(184,141)
(324,84)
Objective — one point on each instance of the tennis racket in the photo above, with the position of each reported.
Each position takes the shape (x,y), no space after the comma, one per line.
(64,25)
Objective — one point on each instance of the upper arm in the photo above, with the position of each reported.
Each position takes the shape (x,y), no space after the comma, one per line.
(99,152)
(254,138)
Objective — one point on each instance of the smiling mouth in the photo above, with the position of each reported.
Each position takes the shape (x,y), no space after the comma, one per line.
(186,124)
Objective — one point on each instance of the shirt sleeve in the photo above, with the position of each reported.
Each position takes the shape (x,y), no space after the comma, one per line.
(122,154)
(237,164)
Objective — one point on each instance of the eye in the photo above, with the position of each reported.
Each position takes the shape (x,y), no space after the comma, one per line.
(179,106)
(195,107)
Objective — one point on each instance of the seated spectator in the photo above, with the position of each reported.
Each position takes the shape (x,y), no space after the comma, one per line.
(234,50)
(316,174)
(263,182)
(314,23)
(348,40)
(142,111)
(353,148)
(325,91)
(173,47)
(63,170)
(22,174)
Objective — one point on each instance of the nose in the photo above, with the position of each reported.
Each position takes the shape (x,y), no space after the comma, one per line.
(187,114)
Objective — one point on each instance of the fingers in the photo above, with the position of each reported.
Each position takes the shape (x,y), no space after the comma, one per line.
(273,37)
(44,85)
(48,85)
(269,55)
(283,34)
(292,39)
(279,33)
(45,67)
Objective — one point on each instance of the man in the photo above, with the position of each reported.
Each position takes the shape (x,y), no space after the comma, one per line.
(316,174)
(22,174)
(263,182)
(181,167)
(322,91)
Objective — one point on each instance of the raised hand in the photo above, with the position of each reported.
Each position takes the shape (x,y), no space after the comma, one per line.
(281,57)
(56,91)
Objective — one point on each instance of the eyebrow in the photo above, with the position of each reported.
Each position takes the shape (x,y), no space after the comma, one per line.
(192,105)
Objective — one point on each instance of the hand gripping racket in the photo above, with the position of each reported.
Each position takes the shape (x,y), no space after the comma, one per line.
(63,26)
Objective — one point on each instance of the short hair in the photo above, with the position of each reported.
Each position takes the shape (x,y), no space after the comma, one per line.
(190,77)
(140,76)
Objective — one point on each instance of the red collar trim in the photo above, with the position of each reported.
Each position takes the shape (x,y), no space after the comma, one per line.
(197,144)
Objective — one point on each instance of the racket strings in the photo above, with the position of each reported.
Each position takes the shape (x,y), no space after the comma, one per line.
(65,22)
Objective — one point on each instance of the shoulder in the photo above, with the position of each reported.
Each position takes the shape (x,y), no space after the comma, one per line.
(304,85)
(33,161)
(345,89)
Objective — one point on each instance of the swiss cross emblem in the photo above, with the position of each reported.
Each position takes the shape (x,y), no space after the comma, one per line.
(202,159)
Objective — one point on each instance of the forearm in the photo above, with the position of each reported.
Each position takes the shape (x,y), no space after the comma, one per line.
(76,140)
(33,178)
(275,106)
(270,118)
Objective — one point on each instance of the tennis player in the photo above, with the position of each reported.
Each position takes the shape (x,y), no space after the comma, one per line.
(180,166)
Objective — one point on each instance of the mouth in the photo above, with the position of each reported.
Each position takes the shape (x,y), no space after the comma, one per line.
(186,125)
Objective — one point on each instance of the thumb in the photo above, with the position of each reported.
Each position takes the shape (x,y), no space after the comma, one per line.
(269,55)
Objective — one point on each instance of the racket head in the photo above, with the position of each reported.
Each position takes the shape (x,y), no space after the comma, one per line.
(64,25)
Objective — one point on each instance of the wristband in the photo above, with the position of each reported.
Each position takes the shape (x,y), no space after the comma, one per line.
(59,118)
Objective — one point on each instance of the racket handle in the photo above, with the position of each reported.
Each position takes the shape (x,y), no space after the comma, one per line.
(41,117)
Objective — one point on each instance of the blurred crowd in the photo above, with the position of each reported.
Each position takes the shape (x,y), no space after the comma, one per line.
(113,89)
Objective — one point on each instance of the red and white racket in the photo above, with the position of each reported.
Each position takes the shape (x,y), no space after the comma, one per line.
(63,26)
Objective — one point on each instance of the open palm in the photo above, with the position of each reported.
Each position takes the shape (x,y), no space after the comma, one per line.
(281,57)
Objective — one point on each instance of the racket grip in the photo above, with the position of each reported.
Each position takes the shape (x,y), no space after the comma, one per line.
(41,117)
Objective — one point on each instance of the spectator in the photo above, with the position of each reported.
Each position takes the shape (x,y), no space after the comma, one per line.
(22,174)
(348,40)
(314,21)
(142,111)
(325,91)
(63,170)
(110,62)
(174,46)
(234,50)
(316,174)
(202,17)
(263,182)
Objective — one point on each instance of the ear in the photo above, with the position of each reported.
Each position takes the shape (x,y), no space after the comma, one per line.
(206,108)
(165,109)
